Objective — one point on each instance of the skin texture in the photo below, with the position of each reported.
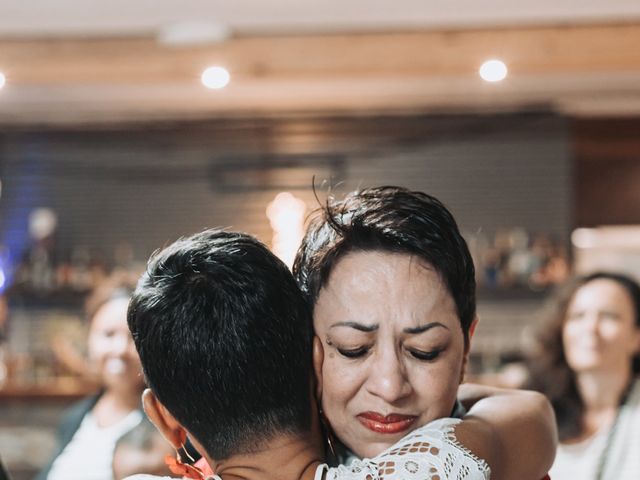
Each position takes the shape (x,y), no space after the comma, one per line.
(112,352)
(600,334)
(390,343)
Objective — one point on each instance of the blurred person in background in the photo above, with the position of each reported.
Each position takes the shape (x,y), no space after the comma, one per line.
(588,364)
(89,431)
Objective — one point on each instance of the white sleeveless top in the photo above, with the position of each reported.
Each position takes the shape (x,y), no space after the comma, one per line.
(580,461)
(430,452)
(89,454)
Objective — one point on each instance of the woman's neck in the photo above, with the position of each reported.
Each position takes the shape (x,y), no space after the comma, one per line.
(601,393)
(602,390)
(113,406)
(282,458)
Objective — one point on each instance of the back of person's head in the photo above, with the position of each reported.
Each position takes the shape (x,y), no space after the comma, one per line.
(225,336)
(391,219)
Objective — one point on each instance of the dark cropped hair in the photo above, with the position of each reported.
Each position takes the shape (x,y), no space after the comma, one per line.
(224,336)
(392,219)
(550,372)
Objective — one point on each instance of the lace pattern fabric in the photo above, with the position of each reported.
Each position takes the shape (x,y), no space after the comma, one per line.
(431,452)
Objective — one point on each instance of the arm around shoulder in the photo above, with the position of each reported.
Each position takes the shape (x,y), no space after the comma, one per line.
(514,431)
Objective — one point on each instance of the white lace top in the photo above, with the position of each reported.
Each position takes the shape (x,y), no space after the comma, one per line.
(431,452)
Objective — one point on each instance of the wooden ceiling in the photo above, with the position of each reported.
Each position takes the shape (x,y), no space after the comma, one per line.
(583,70)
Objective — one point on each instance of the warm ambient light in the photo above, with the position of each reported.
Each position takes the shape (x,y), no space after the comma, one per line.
(286,215)
(584,237)
(493,71)
(3,80)
(215,77)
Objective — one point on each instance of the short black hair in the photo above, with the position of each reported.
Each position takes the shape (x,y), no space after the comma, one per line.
(224,336)
(392,219)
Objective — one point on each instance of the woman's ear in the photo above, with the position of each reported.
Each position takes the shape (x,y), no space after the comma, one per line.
(467,347)
(169,427)
(318,359)
(472,331)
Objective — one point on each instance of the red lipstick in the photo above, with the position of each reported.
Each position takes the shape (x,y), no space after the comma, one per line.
(392,423)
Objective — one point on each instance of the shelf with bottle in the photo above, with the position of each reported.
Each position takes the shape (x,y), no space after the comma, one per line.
(513,262)
(32,363)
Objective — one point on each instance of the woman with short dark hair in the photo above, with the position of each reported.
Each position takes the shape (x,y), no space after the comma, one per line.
(391,284)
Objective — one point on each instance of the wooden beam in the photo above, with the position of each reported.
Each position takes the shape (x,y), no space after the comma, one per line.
(142,61)
(583,69)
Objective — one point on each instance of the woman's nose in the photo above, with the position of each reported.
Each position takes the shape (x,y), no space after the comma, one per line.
(591,323)
(387,378)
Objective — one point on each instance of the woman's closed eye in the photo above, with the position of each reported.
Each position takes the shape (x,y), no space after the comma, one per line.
(353,352)
(425,356)
(609,315)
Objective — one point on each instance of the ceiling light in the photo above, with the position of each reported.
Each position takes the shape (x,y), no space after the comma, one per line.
(215,77)
(493,71)
(3,80)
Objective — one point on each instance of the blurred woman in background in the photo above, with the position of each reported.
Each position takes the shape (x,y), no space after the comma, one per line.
(89,431)
(588,364)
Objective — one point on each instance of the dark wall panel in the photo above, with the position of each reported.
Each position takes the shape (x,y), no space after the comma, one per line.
(607,180)
(146,185)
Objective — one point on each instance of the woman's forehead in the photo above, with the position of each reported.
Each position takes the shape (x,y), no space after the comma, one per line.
(602,291)
(380,285)
(110,314)
(382,264)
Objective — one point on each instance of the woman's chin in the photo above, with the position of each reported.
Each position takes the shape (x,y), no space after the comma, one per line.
(372,449)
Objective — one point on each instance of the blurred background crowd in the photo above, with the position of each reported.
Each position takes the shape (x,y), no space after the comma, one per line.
(124,126)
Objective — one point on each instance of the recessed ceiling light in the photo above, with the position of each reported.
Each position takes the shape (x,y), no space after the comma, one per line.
(493,71)
(3,80)
(215,77)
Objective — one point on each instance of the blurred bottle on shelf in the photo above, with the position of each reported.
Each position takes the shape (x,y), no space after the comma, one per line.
(514,258)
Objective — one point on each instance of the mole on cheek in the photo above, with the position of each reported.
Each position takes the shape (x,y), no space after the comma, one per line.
(330,344)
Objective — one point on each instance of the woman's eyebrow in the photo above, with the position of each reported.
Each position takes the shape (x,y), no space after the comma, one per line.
(357,326)
(424,328)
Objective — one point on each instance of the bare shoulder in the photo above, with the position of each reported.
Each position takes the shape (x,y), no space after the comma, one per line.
(514,431)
